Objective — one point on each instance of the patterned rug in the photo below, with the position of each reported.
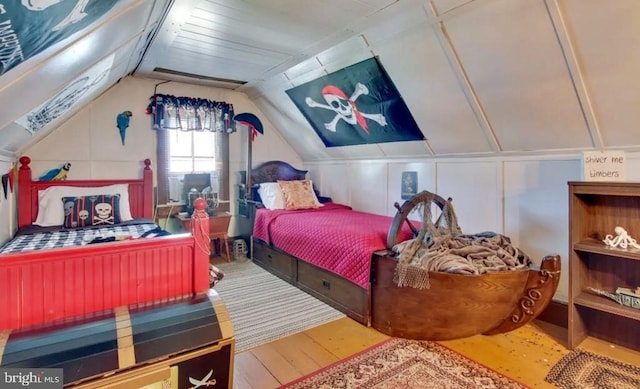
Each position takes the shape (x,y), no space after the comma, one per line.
(582,369)
(405,364)
(264,308)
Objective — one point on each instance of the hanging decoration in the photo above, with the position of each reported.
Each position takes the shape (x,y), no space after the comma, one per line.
(190,114)
(250,120)
(122,122)
(8,179)
(5,184)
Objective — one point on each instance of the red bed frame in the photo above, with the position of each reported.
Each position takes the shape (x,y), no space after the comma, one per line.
(45,286)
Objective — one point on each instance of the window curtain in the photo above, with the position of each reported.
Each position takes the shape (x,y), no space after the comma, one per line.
(190,114)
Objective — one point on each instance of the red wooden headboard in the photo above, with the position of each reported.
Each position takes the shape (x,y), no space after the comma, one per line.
(140,192)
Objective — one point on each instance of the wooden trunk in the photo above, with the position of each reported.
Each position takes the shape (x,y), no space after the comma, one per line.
(169,345)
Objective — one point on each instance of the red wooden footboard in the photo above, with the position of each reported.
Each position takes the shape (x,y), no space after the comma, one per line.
(43,286)
(48,285)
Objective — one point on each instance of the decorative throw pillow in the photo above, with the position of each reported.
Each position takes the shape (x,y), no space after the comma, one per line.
(271,195)
(94,210)
(298,194)
(51,214)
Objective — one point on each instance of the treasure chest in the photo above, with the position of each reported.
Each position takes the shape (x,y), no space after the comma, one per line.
(178,344)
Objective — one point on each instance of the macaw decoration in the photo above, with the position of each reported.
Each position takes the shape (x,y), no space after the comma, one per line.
(57,174)
(250,120)
(122,121)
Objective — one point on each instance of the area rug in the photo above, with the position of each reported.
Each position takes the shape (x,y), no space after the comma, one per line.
(405,364)
(581,369)
(264,308)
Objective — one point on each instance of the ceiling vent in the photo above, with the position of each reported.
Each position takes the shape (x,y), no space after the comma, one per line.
(199,76)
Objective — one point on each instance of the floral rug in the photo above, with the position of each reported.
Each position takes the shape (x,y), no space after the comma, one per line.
(405,364)
(582,369)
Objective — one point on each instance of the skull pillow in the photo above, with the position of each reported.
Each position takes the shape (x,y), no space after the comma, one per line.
(95,210)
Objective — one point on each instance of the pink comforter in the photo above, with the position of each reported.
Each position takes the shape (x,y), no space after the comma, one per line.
(334,237)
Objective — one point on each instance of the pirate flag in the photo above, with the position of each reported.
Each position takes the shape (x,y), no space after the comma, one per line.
(356,105)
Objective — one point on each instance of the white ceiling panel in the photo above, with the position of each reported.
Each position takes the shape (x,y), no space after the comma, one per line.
(432,92)
(511,54)
(347,53)
(444,6)
(480,77)
(52,76)
(405,149)
(607,45)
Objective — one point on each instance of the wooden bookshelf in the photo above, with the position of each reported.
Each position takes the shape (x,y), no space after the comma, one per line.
(595,209)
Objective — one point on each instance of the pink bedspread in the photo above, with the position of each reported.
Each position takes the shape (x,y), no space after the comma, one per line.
(334,237)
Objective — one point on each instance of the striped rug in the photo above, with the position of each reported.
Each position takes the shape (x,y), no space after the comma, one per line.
(264,308)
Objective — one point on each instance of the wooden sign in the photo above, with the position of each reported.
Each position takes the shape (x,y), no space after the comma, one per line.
(603,166)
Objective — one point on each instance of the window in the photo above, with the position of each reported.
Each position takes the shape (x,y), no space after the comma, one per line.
(191,152)
(210,155)
(204,148)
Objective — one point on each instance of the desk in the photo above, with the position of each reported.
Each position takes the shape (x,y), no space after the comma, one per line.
(218,228)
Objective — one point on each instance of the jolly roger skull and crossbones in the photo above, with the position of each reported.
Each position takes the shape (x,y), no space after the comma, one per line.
(103,214)
(345,107)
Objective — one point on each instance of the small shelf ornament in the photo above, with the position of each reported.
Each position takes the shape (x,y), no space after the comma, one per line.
(623,296)
(622,239)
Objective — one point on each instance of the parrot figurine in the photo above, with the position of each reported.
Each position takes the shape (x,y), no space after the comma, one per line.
(57,174)
(122,122)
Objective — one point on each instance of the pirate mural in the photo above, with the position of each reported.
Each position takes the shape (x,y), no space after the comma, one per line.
(28,27)
(361,105)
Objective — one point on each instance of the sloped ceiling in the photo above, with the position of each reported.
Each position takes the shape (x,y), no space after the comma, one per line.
(44,90)
(481,77)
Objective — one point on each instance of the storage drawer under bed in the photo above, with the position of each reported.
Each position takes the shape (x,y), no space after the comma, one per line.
(276,262)
(335,291)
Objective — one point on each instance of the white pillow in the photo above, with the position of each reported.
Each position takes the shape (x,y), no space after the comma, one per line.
(271,195)
(51,209)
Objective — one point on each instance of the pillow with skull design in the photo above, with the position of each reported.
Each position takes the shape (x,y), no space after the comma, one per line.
(95,210)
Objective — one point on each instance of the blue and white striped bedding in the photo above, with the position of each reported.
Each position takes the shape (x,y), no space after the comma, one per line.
(75,237)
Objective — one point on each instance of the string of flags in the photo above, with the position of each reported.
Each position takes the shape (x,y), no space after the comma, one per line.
(8,180)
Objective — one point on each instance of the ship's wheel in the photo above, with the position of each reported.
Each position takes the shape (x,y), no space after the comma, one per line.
(402,216)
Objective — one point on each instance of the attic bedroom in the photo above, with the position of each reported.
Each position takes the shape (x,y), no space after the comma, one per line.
(279,193)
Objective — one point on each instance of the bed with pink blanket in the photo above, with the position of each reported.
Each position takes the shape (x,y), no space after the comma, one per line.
(326,251)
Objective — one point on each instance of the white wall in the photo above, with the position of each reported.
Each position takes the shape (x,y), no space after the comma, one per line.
(525,198)
(91,142)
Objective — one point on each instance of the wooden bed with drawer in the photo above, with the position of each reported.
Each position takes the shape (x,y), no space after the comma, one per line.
(310,259)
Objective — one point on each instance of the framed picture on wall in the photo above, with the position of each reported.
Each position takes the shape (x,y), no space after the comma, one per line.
(356,105)
(409,185)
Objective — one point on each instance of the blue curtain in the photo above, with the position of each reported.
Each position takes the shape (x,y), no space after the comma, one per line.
(190,114)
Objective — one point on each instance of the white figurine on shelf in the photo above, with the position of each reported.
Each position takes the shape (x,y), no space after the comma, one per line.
(622,239)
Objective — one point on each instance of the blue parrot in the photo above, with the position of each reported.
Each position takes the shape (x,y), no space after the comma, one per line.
(57,174)
(123,122)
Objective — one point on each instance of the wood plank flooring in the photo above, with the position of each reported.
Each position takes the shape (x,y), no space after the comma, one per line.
(526,354)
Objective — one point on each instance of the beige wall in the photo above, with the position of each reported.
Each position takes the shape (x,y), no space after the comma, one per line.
(525,198)
(91,142)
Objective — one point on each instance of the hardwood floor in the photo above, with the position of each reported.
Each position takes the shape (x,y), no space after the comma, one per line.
(526,354)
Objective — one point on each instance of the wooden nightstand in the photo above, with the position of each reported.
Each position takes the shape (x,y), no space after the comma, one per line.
(218,228)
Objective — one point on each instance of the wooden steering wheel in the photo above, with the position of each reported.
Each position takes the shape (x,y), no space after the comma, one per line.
(404,211)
